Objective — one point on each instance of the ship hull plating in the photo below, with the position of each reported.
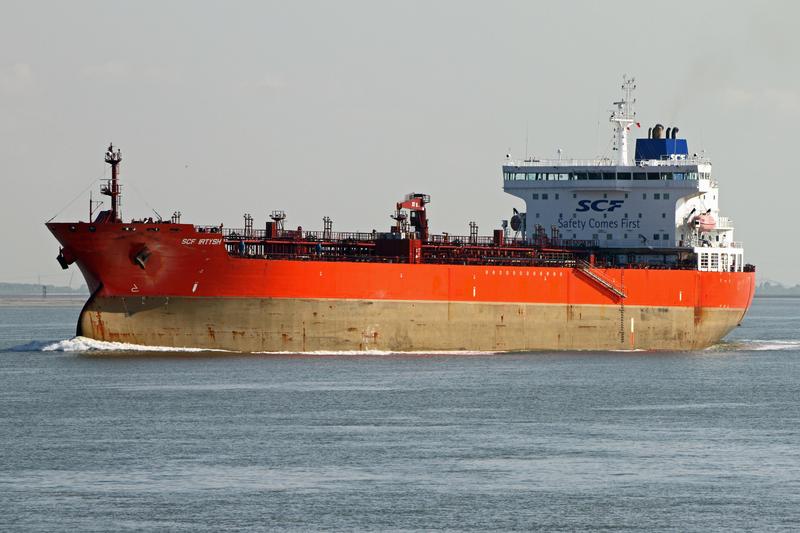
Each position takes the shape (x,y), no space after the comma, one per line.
(300,325)
(191,292)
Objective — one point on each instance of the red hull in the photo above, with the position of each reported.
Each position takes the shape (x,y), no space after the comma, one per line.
(186,263)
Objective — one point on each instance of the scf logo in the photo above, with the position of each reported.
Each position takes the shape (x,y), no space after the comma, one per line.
(599,205)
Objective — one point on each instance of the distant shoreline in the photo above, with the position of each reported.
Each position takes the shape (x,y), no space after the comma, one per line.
(51,300)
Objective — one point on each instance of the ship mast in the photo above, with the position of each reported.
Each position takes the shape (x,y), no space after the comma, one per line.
(114,158)
(622,118)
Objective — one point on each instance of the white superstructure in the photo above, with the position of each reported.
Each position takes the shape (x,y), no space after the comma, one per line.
(665,201)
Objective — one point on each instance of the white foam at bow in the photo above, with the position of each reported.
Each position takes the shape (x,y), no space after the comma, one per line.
(85,344)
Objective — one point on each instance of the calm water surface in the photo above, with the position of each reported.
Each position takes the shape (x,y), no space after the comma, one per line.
(98,440)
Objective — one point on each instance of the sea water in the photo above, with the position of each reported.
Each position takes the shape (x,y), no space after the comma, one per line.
(107,437)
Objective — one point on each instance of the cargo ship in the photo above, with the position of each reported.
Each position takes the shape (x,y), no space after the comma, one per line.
(609,254)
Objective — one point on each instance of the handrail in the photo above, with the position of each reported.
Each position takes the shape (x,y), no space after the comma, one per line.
(587,269)
(607,162)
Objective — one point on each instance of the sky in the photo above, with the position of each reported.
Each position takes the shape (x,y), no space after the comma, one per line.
(340,108)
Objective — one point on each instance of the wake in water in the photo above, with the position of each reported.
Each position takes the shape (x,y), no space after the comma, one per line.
(757,345)
(85,344)
(762,345)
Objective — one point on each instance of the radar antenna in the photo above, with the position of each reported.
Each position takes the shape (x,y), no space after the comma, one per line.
(622,117)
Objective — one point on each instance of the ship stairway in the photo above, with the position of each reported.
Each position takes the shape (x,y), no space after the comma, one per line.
(592,273)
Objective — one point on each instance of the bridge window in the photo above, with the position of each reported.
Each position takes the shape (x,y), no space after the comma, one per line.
(594,175)
(544,196)
(666,196)
(653,176)
(639,176)
(623,175)
(609,176)
(535,196)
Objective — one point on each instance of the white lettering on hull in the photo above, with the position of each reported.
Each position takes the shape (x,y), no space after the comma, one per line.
(206,242)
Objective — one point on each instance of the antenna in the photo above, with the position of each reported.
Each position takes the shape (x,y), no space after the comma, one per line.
(622,117)
(526,141)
